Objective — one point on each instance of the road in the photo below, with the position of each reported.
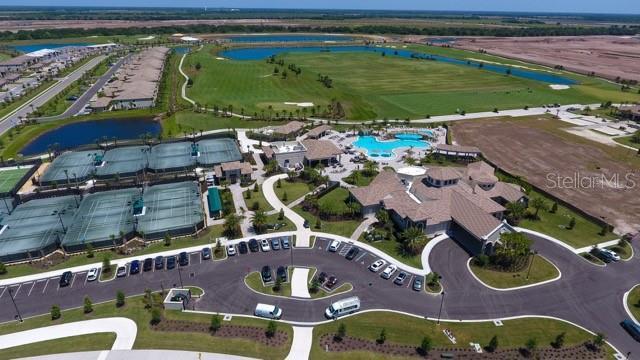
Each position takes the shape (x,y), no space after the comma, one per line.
(27,108)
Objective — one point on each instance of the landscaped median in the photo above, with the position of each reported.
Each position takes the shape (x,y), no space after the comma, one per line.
(633,302)
(537,268)
(378,335)
(160,329)
(316,290)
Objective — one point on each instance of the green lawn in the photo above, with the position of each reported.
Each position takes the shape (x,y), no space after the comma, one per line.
(93,342)
(189,120)
(257,197)
(207,236)
(402,329)
(294,190)
(344,228)
(633,302)
(369,85)
(394,248)
(254,281)
(336,198)
(273,219)
(541,270)
(626,140)
(147,338)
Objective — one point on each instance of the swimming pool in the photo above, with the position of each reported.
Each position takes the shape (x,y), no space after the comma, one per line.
(377,148)
(408,136)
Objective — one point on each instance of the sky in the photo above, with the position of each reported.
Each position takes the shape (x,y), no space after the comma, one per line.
(583,6)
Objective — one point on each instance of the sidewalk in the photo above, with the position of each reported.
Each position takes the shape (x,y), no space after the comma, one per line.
(299,287)
(301,346)
(140,355)
(303,234)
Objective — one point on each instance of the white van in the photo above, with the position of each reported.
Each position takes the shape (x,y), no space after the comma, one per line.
(343,307)
(268,311)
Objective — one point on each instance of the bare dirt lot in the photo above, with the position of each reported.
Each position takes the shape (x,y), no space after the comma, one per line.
(539,150)
(608,56)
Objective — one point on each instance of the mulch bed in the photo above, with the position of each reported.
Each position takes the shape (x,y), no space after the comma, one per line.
(229,331)
(327,341)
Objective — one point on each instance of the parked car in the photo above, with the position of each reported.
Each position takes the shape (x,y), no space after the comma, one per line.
(171,262)
(417,283)
(66,278)
(206,253)
(147,265)
(353,252)
(275,244)
(377,265)
(183,259)
(399,280)
(606,254)
(331,282)
(282,274)
(231,250)
(253,245)
(122,271)
(268,311)
(306,224)
(264,245)
(335,244)
(322,277)
(266,274)
(285,243)
(135,267)
(92,275)
(159,262)
(243,247)
(386,274)
(632,328)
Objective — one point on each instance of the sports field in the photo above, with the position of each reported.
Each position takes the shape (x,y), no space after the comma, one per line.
(9,177)
(371,86)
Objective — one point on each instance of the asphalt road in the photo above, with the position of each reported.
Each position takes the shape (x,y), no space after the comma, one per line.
(588,295)
(11,120)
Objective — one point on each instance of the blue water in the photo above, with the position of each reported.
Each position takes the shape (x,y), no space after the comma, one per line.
(408,136)
(286,38)
(376,148)
(36,47)
(265,52)
(181,50)
(86,132)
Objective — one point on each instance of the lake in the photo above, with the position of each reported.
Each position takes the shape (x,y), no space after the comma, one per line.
(286,38)
(86,132)
(265,52)
(35,47)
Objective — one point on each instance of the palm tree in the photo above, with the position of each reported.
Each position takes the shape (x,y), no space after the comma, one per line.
(516,211)
(259,220)
(413,240)
(231,224)
(538,203)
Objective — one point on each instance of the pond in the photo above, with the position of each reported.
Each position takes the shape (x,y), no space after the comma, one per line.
(265,52)
(35,47)
(181,49)
(287,38)
(86,132)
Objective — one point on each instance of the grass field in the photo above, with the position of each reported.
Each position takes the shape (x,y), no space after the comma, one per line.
(93,342)
(371,86)
(344,228)
(626,140)
(293,190)
(401,329)
(188,120)
(541,270)
(633,302)
(9,178)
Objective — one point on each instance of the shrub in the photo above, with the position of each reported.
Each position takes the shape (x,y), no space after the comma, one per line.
(106,264)
(531,345)
(559,341)
(120,299)
(167,239)
(55,312)
(248,196)
(216,323)
(90,253)
(278,285)
(493,344)
(281,214)
(572,223)
(481,260)
(318,224)
(3,268)
(382,337)
(271,329)
(342,332)
(285,197)
(554,208)
(88,305)
(156,316)
(255,206)
(315,286)
(279,183)
(425,345)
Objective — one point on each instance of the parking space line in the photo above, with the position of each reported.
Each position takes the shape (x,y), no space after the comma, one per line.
(410,280)
(30,290)
(364,253)
(73,280)
(3,290)
(16,293)
(45,286)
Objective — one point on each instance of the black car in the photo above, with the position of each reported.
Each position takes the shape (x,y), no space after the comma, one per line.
(159,262)
(332,282)
(65,279)
(281,273)
(306,224)
(243,247)
(353,252)
(206,253)
(253,245)
(183,259)
(135,267)
(147,265)
(171,262)
(266,274)
(322,277)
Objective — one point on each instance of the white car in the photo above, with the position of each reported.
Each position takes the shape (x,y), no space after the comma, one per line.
(335,244)
(377,265)
(231,250)
(386,274)
(92,275)
(264,245)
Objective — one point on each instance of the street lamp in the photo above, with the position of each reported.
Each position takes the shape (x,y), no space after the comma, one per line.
(15,305)
(533,253)
(440,312)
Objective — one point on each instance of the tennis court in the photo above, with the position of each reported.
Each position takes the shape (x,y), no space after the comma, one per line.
(217,151)
(172,157)
(35,228)
(124,161)
(71,165)
(11,176)
(101,219)
(171,208)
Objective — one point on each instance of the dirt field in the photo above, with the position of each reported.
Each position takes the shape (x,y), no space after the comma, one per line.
(540,151)
(607,56)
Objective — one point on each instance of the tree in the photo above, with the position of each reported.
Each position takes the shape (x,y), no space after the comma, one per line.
(248,196)
(106,264)
(598,341)
(514,246)
(256,188)
(285,197)
(216,323)
(3,268)
(538,203)
(318,223)
(383,216)
(55,312)
(531,345)
(281,214)
(231,224)
(259,221)
(156,316)
(515,212)
(554,208)
(279,183)
(88,305)
(272,327)
(342,331)
(493,344)
(559,341)
(413,240)
(425,345)
(370,168)
(572,223)
(120,299)
(167,239)
(278,285)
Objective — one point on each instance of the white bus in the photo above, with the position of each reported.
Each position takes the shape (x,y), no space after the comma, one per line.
(268,311)
(343,307)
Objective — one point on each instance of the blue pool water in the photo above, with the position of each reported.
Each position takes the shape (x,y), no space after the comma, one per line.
(265,52)
(377,148)
(181,50)
(408,136)
(286,38)
(86,132)
(36,47)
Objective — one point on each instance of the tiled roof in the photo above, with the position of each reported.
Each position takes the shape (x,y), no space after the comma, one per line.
(382,185)
(289,128)
(320,149)
(471,217)
(443,173)
(316,131)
